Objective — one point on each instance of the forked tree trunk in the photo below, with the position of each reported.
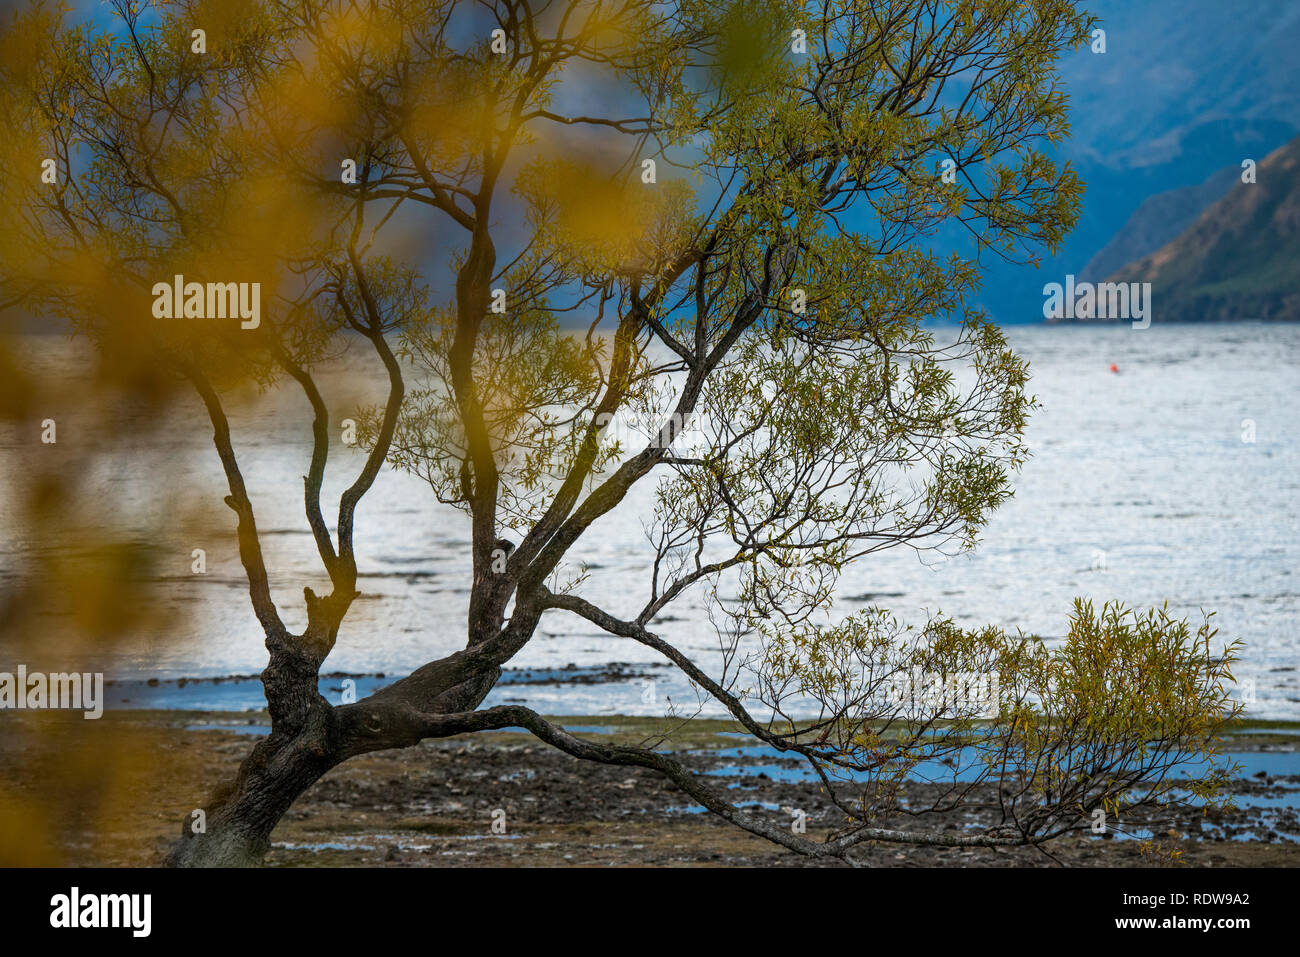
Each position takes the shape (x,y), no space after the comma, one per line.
(310,736)
(238,827)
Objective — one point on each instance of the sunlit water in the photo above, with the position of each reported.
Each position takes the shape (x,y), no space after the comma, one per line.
(1143,488)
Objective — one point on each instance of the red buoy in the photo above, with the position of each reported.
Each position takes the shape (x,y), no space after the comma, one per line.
(1113,367)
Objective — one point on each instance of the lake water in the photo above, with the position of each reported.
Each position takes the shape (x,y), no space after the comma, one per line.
(1144,486)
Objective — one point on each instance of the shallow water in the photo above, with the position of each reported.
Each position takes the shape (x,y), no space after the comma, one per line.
(1141,488)
(763,759)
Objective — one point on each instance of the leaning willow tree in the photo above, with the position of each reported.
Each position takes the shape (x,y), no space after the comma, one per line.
(741,205)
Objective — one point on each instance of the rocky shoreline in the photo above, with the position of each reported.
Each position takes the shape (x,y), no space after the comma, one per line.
(436,804)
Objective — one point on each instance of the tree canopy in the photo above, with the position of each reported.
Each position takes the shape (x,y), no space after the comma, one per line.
(595,245)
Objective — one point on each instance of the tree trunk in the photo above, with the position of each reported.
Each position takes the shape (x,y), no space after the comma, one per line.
(238,829)
(309,736)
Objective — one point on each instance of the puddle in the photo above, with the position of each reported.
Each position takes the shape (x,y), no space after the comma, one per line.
(755,760)
(699,809)
(318,846)
(255,729)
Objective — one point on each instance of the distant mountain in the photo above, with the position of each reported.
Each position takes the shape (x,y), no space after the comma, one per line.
(1183,91)
(1240,259)
(1158,220)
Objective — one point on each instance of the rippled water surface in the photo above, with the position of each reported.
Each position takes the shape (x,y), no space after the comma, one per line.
(1142,488)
